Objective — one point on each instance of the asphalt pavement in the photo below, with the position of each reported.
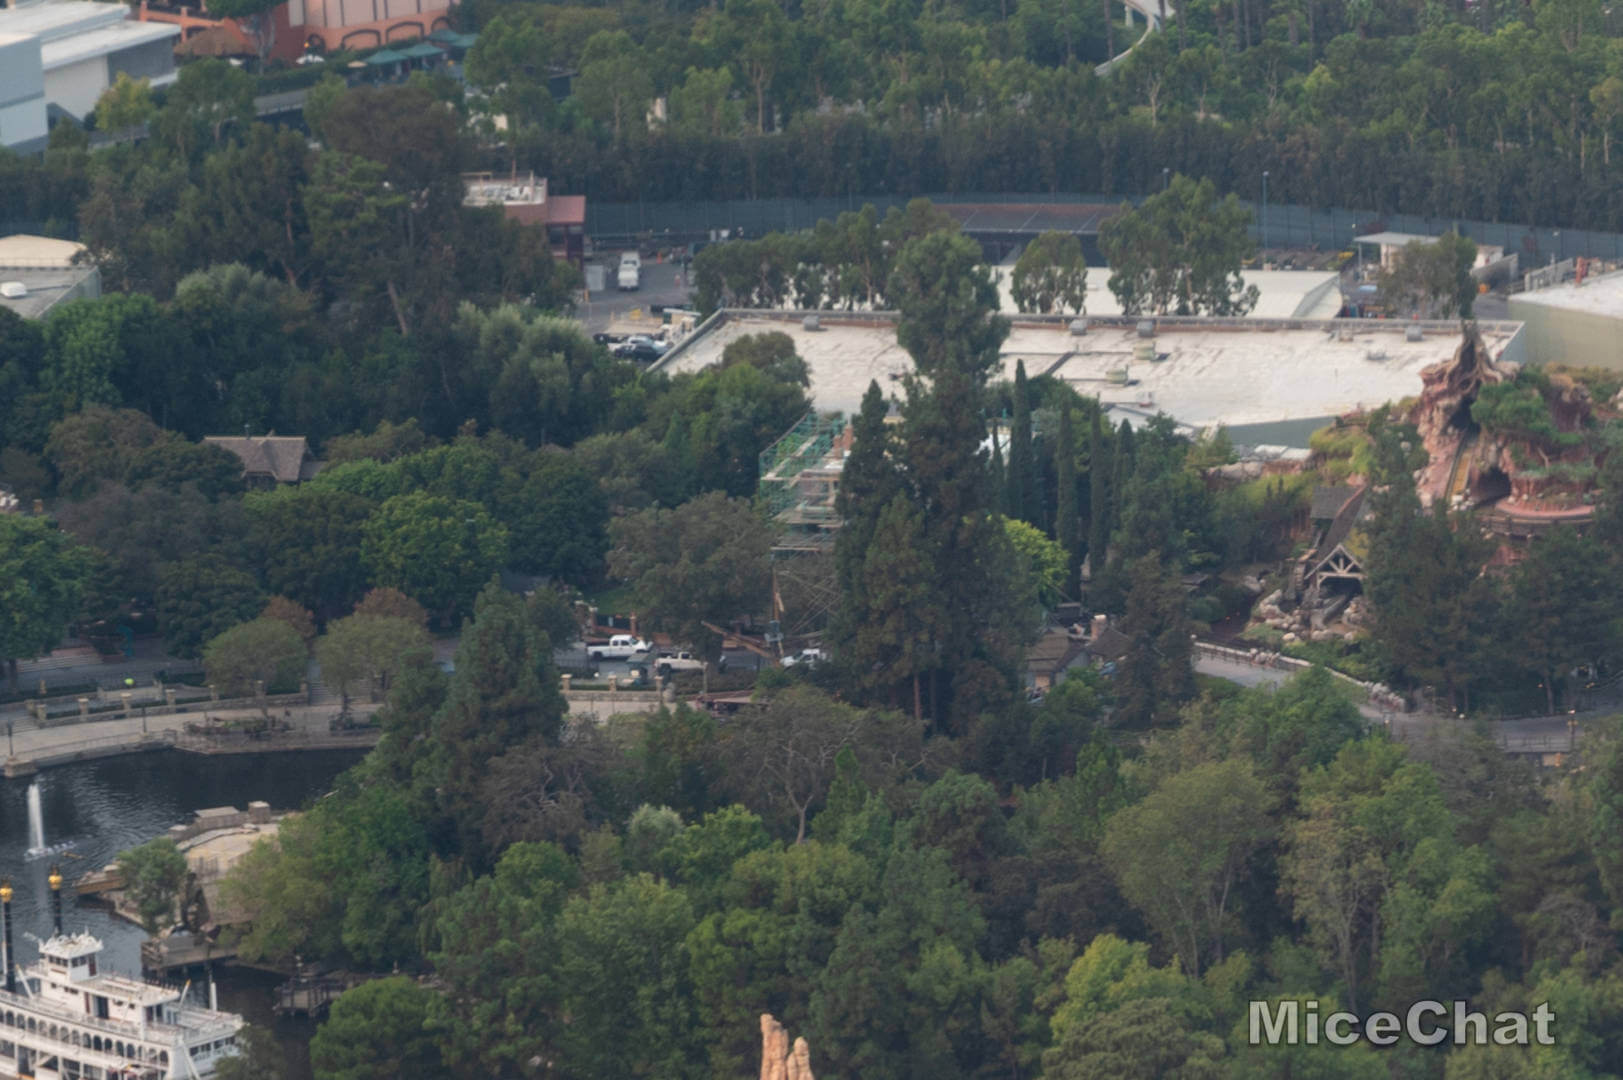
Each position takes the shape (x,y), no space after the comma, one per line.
(659,286)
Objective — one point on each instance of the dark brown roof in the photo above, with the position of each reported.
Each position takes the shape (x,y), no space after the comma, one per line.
(1328,501)
(1110,644)
(1352,511)
(284,458)
(1052,652)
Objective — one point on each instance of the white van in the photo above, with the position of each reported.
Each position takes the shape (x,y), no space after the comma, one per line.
(630,275)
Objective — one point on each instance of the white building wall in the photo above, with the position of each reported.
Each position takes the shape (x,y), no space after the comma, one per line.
(22,90)
(76,87)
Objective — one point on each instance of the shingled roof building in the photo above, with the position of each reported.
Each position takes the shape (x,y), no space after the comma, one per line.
(1335,512)
(269,460)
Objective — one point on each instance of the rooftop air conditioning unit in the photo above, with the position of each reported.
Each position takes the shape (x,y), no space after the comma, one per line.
(1079,327)
(1146,328)
(811,322)
(13,290)
(1413,333)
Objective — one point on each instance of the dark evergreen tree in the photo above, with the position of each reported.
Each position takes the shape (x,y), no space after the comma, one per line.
(1157,674)
(949,323)
(868,480)
(1067,522)
(1099,524)
(1021,495)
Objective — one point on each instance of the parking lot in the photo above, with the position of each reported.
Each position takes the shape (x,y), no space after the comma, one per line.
(659,286)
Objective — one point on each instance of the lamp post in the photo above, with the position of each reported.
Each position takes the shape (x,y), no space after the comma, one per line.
(1265,208)
(1166,178)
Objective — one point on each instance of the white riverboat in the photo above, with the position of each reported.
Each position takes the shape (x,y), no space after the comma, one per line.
(62,1018)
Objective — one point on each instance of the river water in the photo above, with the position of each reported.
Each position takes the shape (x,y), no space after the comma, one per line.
(99,808)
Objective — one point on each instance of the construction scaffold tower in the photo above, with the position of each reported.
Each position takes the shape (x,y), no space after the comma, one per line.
(799,479)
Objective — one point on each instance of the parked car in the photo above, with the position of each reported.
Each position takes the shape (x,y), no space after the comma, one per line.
(684,661)
(620,647)
(641,348)
(808,657)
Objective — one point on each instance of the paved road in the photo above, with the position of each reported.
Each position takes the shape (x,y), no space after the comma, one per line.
(1527,733)
(86,667)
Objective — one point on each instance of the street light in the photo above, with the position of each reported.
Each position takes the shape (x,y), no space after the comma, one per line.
(1166,178)
(1265,208)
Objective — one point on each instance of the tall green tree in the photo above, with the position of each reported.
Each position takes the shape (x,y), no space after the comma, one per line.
(435,549)
(1099,521)
(1182,852)
(949,324)
(1051,275)
(1432,279)
(1067,531)
(1559,608)
(1157,674)
(379,1029)
(263,652)
(868,482)
(153,874)
(1179,252)
(504,693)
(891,647)
(43,576)
(1021,491)
(707,561)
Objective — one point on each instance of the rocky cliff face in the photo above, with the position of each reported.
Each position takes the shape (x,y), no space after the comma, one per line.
(778,1060)
(1443,413)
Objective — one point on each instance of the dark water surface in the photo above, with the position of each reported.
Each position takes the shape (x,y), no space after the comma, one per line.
(99,808)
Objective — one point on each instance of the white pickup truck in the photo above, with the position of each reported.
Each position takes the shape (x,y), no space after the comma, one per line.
(620,647)
(684,661)
(630,275)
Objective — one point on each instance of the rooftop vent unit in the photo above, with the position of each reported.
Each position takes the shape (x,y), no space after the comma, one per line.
(1146,328)
(13,290)
(1079,327)
(1413,333)
(811,322)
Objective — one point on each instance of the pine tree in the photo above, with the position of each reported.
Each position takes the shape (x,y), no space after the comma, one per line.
(899,584)
(950,326)
(1067,523)
(867,481)
(1022,494)
(1098,492)
(1000,476)
(1157,674)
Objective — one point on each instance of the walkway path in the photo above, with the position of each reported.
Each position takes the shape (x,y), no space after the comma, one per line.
(1529,735)
(32,748)
(1151,11)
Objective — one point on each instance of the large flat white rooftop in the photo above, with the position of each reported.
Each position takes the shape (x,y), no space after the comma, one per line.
(1207,372)
(1602,295)
(107,39)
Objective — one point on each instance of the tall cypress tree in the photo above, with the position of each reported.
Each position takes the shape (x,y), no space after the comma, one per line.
(950,326)
(1000,476)
(868,480)
(1067,523)
(1098,492)
(1022,487)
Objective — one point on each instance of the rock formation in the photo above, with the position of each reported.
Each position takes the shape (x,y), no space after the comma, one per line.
(1442,415)
(778,1061)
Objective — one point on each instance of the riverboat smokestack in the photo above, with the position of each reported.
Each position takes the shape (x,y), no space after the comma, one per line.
(5,912)
(55,882)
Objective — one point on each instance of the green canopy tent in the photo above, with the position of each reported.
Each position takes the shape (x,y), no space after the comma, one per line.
(422,50)
(385,56)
